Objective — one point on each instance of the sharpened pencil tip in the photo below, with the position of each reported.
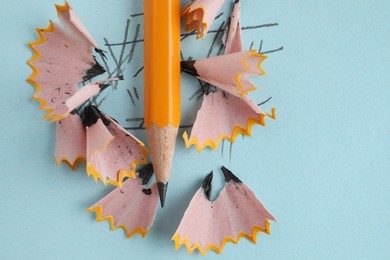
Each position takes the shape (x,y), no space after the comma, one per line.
(162,192)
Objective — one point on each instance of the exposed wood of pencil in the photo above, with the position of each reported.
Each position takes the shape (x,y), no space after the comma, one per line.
(162,142)
(162,84)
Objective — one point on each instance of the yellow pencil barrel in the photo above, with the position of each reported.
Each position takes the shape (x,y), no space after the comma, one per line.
(162,62)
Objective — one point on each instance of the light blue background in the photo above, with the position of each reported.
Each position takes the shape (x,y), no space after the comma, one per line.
(322,168)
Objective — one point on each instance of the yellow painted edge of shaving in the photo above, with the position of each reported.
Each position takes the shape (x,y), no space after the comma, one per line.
(99,211)
(62,8)
(186,14)
(236,131)
(247,69)
(106,143)
(80,159)
(122,173)
(251,237)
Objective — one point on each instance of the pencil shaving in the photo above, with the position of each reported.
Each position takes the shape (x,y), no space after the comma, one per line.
(131,207)
(62,57)
(70,141)
(200,14)
(236,213)
(117,155)
(224,117)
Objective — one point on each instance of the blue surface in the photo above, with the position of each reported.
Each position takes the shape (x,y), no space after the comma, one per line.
(322,168)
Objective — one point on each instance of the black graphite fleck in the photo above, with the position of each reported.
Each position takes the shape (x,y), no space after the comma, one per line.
(206,185)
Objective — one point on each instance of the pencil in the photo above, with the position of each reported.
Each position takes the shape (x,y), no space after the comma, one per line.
(162,84)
